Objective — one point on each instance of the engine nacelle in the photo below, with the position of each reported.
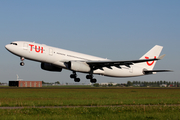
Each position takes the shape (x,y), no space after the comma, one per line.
(50,67)
(79,66)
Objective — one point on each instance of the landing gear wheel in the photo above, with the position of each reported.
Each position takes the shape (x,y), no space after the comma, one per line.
(22,59)
(76,79)
(73,76)
(89,76)
(93,80)
(22,63)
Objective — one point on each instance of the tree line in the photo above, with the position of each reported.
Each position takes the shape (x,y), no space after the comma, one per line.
(143,84)
(153,83)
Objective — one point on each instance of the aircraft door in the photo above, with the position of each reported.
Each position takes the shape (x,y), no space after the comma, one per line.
(25,46)
(50,51)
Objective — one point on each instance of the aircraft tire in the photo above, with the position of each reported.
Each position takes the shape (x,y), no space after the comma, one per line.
(93,80)
(77,79)
(22,63)
(88,76)
(72,76)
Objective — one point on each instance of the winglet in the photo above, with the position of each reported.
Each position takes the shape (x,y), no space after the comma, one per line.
(161,57)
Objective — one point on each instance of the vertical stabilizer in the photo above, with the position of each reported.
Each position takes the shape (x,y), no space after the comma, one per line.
(153,53)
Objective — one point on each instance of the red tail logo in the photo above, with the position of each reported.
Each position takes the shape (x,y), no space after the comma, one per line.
(151,62)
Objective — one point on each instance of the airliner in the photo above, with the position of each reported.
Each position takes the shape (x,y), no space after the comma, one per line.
(56,59)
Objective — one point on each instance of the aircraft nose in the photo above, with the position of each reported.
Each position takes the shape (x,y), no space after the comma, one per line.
(7,47)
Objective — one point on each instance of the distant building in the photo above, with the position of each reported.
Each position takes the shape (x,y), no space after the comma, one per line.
(171,85)
(3,84)
(108,83)
(25,83)
(77,84)
(163,85)
(138,85)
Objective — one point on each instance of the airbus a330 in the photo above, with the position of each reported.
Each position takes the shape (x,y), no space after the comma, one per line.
(56,59)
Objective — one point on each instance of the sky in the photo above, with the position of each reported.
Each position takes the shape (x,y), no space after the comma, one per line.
(117,30)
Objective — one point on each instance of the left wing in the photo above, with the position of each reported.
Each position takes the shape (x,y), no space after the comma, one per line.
(108,64)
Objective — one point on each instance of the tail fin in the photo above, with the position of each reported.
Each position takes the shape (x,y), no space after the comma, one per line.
(153,53)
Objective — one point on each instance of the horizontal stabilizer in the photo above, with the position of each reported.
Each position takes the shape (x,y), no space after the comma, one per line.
(161,57)
(151,71)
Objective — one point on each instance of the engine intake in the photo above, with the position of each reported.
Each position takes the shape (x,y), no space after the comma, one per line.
(50,67)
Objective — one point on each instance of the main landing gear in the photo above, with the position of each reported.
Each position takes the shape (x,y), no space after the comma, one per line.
(92,80)
(74,76)
(22,63)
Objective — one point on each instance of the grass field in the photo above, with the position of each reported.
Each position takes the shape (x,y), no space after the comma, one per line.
(136,103)
(102,113)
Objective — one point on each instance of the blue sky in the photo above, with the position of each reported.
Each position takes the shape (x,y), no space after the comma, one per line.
(117,30)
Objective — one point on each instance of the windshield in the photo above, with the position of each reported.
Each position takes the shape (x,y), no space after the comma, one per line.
(14,43)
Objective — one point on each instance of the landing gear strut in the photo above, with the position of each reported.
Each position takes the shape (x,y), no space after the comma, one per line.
(74,75)
(22,63)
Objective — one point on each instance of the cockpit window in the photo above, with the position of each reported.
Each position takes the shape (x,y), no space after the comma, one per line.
(14,43)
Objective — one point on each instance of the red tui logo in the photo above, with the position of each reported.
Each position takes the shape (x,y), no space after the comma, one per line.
(151,62)
(37,48)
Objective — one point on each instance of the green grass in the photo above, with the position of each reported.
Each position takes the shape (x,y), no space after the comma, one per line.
(88,97)
(136,103)
(102,113)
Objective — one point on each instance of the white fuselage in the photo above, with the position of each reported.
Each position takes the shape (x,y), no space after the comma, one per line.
(57,56)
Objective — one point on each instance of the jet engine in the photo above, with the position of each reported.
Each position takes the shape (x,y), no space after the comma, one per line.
(50,67)
(79,66)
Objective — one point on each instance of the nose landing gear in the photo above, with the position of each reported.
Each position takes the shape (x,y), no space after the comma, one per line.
(22,63)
